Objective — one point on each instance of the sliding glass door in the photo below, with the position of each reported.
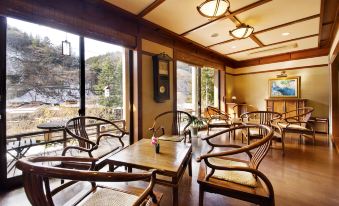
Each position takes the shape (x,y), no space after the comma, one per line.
(209,88)
(187,88)
(197,88)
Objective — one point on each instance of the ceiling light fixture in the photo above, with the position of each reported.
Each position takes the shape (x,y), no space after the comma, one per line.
(233,47)
(213,8)
(285,34)
(241,32)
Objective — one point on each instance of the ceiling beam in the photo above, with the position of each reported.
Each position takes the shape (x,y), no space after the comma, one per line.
(150,8)
(281,42)
(303,54)
(228,15)
(287,24)
(271,28)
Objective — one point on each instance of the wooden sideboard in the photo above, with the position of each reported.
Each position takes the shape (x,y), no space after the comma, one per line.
(282,105)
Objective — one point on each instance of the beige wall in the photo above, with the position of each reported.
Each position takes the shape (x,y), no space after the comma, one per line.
(253,88)
(229,87)
(150,108)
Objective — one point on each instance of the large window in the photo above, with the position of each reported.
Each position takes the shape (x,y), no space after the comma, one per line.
(42,84)
(43,88)
(197,88)
(187,90)
(104,79)
(209,88)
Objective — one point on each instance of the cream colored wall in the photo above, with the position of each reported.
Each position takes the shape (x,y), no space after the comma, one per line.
(253,88)
(229,85)
(150,108)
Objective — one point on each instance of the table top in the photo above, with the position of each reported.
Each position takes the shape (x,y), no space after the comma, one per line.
(142,155)
(52,125)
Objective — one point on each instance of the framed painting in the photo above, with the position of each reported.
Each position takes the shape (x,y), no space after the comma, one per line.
(284,87)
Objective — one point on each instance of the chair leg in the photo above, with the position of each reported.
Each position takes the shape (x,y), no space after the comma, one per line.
(201,196)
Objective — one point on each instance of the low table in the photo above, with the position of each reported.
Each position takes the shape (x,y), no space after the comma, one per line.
(171,161)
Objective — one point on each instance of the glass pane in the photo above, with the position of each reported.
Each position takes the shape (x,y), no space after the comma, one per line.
(104,79)
(187,88)
(208,88)
(42,86)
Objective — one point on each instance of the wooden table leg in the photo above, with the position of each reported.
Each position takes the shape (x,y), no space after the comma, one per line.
(175,195)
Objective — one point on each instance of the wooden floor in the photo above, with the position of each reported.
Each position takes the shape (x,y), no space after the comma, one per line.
(307,175)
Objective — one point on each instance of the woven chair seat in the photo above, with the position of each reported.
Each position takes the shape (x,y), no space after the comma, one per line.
(109,197)
(293,126)
(239,177)
(173,138)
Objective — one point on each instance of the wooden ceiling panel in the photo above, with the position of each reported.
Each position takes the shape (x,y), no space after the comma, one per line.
(291,46)
(177,15)
(294,31)
(279,12)
(205,34)
(236,4)
(132,6)
(234,46)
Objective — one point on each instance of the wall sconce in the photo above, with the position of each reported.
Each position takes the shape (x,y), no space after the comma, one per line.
(234,98)
(282,74)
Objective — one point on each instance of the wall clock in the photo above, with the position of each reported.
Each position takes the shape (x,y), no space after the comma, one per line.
(161,77)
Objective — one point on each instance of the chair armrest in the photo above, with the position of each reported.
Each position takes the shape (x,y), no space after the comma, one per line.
(246,149)
(110,135)
(79,148)
(148,191)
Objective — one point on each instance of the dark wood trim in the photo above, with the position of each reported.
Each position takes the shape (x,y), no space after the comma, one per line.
(303,54)
(150,8)
(219,90)
(175,88)
(85,18)
(199,89)
(131,96)
(229,15)
(334,27)
(335,101)
(3,159)
(139,90)
(82,110)
(276,43)
(276,70)
(322,6)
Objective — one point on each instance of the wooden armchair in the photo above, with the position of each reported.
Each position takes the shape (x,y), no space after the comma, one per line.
(297,121)
(217,118)
(37,184)
(235,177)
(99,144)
(173,126)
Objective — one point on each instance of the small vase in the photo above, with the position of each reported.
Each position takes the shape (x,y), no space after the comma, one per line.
(157,148)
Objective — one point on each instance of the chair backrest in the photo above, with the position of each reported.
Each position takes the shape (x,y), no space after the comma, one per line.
(261,146)
(173,122)
(77,127)
(36,177)
(300,114)
(215,112)
(260,117)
